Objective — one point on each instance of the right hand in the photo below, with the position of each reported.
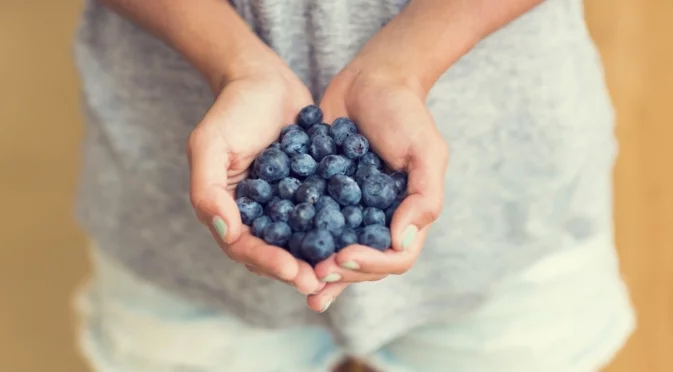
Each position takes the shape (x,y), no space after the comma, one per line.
(247,116)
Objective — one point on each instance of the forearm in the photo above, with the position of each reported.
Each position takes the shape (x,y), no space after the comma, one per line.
(208,33)
(428,36)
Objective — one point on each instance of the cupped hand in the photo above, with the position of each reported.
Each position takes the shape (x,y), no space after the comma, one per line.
(245,118)
(390,111)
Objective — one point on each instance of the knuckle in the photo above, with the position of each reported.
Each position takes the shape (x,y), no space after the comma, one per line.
(433,211)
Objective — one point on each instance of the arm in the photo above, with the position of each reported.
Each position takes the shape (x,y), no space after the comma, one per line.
(209,33)
(433,34)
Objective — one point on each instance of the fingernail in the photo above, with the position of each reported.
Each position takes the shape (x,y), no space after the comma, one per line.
(331,278)
(220,226)
(408,236)
(350,265)
(326,305)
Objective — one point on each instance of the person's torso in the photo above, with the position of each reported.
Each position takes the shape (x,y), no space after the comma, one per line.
(525,113)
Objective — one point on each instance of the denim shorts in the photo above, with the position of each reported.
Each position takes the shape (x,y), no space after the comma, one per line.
(568,313)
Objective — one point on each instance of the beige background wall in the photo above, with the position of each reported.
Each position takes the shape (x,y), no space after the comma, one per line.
(42,254)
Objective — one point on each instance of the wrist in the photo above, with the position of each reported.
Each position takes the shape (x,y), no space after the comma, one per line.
(421,43)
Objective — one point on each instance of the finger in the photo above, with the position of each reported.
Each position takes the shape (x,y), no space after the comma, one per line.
(266,258)
(214,205)
(365,260)
(321,301)
(426,167)
(329,271)
(306,281)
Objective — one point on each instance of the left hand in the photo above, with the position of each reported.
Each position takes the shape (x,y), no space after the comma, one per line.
(390,110)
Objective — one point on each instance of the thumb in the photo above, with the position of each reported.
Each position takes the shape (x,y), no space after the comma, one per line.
(212,200)
(426,167)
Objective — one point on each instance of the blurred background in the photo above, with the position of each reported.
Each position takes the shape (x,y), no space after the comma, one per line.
(42,253)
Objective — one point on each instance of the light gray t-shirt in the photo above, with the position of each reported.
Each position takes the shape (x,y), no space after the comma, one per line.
(525,113)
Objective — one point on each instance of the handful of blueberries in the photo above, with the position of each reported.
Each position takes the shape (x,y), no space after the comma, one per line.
(320,189)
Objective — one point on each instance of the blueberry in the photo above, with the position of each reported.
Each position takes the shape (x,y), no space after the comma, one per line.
(316,129)
(259,224)
(303,165)
(400,179)
(346,238)
(370,159)
(295,142)
(272,165)
(249,209)
(259,191)
(331,165)
(355,146)
(242,189)
(275,145)
(277,233)
(316,246)
(353,216)
(373,216)
(318,182)
(321,146)
(341,128)
(287,187)
(375,236)
(378,191)
(289,128)
(364,172)
(344,190)
(390,211)
(280,210)
(294,244)
(329,219)
(309,116)
(307,193)
(301,217)
(326,201)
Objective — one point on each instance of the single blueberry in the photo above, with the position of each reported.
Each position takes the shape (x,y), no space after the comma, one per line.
(272,165)
(344,190)
(331,165)
(353,216)
(303,165)
(322,146)
(307,193)
(341,128)
(301,217)
(355,146)
(259,191)
(289,128)
(277,233)
(326,201)
(370,158)
(249,209)
(346,238)
(287,187)
(309,116)
(280,210)
(316,181)
(294,244)
(364,172)
(378,191)
(275,145)
(316,129)
(295,142)
(373,216)
(400,179)
(390,211)
(242,189)
(375,236)
(259,224)
(316,246)
(329,219)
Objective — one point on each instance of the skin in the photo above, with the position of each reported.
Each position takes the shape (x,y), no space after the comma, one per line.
(383,93)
